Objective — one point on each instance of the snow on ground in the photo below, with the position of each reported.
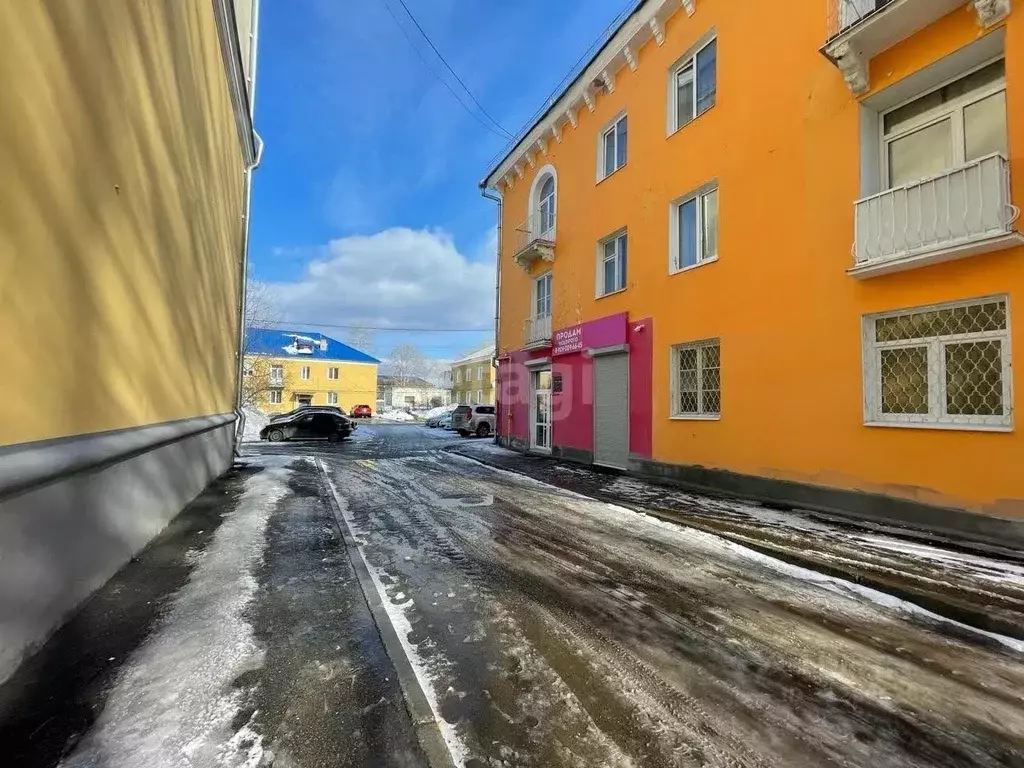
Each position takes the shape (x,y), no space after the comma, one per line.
(174,702)
(439,411)
(254,421)
(395,416)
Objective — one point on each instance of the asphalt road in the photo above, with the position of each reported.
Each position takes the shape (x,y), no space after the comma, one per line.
(375,602)
(553,629)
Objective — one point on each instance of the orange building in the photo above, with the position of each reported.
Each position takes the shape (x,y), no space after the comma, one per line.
(774,251)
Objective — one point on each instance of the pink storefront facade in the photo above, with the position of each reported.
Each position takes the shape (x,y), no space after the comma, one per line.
(585,397)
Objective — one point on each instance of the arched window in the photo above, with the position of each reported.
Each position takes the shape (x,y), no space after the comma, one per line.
(547,206)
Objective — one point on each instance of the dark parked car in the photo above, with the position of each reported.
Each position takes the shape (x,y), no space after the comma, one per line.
(307,409)
(308,425)
(361,412)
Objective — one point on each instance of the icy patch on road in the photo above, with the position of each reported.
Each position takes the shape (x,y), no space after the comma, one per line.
(172,704)
(983,567)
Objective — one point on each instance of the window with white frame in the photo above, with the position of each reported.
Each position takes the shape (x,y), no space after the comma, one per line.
(694,85)
(945,365)
(277,373)
(480,373)
(332,373)
(694,224)
(962,121)
(697,379)
(332,398)
(611,268)
(275,396)
(613,147)
(479,396)
(304,373)
(542,296)
(546,208)
(458,376)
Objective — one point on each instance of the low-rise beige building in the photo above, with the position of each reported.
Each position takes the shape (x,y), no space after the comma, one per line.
(472,377)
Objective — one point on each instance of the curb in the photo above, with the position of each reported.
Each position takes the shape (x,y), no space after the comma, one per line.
(428,733)
(975,618)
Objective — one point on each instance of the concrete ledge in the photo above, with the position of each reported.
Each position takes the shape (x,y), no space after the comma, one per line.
(73,524)
(853,504)
(28,465)
(577,455)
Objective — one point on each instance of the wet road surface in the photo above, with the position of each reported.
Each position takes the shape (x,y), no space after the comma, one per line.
(552,629)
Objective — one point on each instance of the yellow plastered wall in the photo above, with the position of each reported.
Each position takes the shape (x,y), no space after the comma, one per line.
(120,217)
(466,381)
(356,384)
(782,141)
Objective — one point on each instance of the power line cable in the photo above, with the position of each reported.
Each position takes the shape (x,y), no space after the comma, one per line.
(454,73)
(502,133)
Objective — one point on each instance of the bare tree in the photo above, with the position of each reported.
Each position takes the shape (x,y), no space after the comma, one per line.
(406,362)
(362,338)
(259,376)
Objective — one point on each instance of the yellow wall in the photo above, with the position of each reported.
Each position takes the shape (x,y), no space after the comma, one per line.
(783,143)
(356,384)
(469,383)
(120,217)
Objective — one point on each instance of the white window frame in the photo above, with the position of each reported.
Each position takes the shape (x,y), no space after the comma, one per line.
(537,282)
(601,289)
(479,373)
(458,376)
(611,128)
(700,414)
(689,59)
(479,397)
(936,418)
(953,110)
(332,373)
(332,398)
(304,373)
(703,255)
(275,397)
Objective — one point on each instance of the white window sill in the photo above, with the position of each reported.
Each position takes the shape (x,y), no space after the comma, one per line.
(609,175)
(944,427)
(610,293)
(692,267)
(696,417)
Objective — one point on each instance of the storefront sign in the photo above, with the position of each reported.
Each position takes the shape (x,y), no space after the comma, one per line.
(567,340)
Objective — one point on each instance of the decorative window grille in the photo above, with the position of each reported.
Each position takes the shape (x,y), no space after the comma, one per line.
(946,365)
(697,379)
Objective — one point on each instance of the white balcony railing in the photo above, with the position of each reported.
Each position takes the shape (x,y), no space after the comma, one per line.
(964,211)
(535,239)
(858,30)
(537,331)
(276,379)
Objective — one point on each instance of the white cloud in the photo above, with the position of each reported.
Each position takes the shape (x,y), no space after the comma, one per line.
(398,278)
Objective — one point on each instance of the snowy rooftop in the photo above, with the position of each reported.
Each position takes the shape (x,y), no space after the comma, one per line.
(283,343)
(478,354)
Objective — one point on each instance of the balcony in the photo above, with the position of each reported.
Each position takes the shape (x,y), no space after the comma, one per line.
(535,240)
(961,212)
(537,332)
(276,379)
(859,30)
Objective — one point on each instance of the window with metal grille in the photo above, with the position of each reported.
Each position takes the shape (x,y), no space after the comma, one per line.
(697,380)
(946,366)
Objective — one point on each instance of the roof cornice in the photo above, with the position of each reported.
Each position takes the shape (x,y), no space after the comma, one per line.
(621,50)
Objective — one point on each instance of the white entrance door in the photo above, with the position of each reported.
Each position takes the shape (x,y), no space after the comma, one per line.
(540,410)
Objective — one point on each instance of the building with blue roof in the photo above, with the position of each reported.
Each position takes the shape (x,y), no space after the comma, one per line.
(285,369)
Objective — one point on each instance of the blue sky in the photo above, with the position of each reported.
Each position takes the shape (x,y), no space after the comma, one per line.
(366,209)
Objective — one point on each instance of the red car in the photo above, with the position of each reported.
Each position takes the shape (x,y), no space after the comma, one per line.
(361,412)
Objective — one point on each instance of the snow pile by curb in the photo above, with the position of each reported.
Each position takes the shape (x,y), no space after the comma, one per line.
(254,422)
(439,411)
(395,416)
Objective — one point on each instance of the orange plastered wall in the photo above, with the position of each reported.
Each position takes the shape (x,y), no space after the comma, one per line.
(783,143)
